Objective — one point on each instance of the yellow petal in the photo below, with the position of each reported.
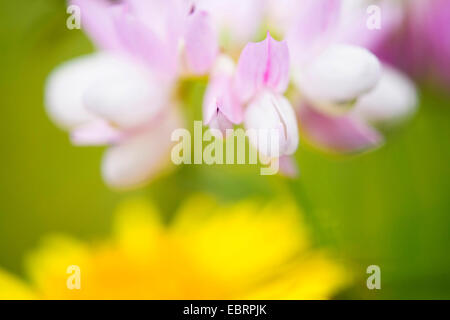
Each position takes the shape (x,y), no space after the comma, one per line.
(315,277)
(138,229)
(11,288)
(239,244)
(48,267)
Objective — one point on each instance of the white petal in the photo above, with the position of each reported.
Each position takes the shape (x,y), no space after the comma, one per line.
(289,121)
(271,112)
(65,88)
(393,99)
(103,84)
(339,74)
(142,156)
(128,94)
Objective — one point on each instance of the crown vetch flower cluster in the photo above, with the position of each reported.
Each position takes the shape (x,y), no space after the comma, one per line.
(322,76)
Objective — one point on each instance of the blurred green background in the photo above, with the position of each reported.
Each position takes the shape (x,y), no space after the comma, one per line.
(390,207)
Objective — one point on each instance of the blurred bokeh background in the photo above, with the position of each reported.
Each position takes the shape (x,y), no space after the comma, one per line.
(390,207)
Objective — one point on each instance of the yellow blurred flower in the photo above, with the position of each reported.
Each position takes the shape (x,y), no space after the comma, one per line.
(209,251)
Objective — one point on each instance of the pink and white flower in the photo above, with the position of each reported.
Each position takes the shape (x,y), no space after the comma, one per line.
(262,77)
(328,72)
(122,96)
(345,89)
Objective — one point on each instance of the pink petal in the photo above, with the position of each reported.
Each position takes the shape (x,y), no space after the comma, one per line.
(353,24)
(166,18)
(343,134)
(263,65)
(160,52)
(201,42)
(221,107)
(315,23)
(97,21)
(96,133)
(220,122)
(242,19)
(220,97)
(288,166)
